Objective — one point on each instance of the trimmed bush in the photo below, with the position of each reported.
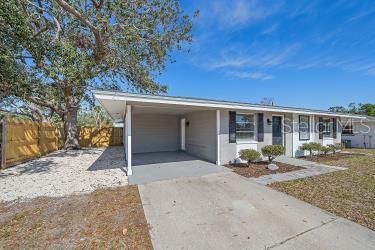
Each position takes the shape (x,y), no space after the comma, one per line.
(335,148)
(311,147)
(249,155)
(325,149)
(273,151)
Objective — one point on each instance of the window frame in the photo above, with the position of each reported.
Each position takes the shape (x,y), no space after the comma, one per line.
(253,137)
(330,126)
(309,128)
(351,129)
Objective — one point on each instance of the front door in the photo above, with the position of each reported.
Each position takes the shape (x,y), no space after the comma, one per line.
(277,131)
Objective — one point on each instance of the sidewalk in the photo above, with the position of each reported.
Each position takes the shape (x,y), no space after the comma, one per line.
(311,169)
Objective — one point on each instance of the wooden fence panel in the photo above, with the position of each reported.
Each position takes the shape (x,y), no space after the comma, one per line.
(99,137)
(26,140)
(22,141)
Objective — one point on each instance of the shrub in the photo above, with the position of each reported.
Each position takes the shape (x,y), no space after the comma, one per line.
(335,148)
(311,147)
(273,151)
(325,149)
(249,155)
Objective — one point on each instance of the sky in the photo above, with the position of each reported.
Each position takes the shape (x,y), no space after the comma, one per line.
(310,54)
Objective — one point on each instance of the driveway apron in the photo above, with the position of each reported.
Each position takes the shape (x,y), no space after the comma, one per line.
(227,211)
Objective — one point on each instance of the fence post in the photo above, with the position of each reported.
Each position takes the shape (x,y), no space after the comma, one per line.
(3,142)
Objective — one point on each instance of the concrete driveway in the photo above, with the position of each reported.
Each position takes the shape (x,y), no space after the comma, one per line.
(227,211)
(151,167)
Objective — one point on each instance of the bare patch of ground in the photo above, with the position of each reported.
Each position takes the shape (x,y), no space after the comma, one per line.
(63,173)
(107,218)
(260,169)
(349,193)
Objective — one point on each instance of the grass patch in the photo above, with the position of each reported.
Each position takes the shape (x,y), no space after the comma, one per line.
(349,193)
(360,150)
(106,218)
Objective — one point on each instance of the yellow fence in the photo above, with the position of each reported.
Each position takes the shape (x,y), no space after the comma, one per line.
(24,140)
(99,137)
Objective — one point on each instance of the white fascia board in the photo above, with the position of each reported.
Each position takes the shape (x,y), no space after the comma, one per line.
(205,103)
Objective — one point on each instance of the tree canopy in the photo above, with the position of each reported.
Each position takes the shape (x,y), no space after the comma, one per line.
(353,108)
(52,52)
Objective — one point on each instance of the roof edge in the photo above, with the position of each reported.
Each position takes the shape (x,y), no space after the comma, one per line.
(244,105)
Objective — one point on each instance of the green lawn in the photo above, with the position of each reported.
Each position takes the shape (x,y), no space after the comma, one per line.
(349,193)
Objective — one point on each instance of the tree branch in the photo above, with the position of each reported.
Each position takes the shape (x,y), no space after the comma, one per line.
(100,48)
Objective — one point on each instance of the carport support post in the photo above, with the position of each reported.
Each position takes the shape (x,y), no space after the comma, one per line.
(129,138)
(218,136)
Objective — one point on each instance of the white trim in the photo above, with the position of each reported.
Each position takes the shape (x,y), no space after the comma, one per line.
(218,136)
(129,138)
(106,95)
(183,134)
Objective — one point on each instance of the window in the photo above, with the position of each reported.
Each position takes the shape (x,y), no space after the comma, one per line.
(245,127)
(348,128)
(304,128)
(327,127)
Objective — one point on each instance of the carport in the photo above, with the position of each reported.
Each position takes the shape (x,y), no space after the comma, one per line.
(157,166)
(165,139)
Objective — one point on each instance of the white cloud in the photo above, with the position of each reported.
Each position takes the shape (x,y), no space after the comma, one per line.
(250,75)
(240,12)
(270,29)
(256,57)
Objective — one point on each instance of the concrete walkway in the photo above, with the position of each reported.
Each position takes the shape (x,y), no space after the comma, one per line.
(228,211)
(311,169)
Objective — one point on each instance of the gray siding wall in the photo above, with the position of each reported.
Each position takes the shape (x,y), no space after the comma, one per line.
(155,133)
(228,150)
(364,134)
(201,134)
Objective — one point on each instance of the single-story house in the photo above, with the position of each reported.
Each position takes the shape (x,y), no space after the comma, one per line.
(215,130)
(359,133)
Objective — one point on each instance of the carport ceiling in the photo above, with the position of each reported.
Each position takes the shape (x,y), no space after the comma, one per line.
(116,108)
(163,109)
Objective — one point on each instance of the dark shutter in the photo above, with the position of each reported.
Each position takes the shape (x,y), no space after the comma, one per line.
(260,127)
(232,127)
(320,128)
(334,120)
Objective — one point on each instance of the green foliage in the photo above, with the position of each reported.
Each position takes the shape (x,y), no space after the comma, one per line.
(325,149)
(367,109)
(53,52)
(273,151)
(335,147)
(95,116)
(311,147)
(249,155)
(353,108)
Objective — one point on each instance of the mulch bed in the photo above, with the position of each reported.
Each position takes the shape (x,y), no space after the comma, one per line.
(104,219)
(260,169)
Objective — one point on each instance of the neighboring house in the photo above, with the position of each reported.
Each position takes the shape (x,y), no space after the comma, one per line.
(359,133)
(215,130)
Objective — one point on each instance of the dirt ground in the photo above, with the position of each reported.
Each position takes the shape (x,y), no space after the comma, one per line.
(260,169)
(349,193)
(107,218)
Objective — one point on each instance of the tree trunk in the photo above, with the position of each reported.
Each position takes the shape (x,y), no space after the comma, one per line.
(70,128)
